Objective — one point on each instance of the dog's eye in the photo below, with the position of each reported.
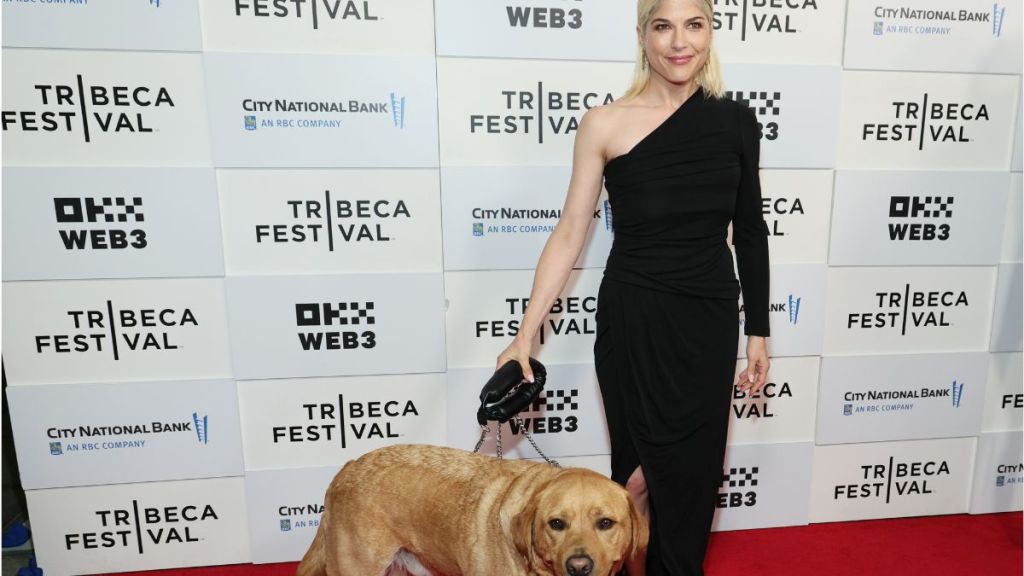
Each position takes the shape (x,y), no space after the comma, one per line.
(605,523)
(556,524)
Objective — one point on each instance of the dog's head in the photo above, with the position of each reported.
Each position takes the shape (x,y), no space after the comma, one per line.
(579,524)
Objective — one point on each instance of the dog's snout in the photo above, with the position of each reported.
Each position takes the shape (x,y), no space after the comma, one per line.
(580,565)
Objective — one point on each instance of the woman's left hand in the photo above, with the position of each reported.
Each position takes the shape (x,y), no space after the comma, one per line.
(756,373)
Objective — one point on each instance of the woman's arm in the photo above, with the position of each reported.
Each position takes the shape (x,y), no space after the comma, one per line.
(566,241)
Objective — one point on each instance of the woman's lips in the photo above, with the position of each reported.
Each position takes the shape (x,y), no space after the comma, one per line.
(680,60)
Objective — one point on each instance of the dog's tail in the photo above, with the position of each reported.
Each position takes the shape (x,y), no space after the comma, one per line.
(314,563)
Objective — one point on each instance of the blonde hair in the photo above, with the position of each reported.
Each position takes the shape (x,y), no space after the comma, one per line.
(709,77)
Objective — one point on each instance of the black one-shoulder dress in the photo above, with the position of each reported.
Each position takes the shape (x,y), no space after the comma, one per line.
(667,314)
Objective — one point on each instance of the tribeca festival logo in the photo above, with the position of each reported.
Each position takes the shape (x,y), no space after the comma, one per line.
(889,401)
(88,109)
(332,222)
(760,16)
(552,412)
(104,210)
(758,405)
(902,208)
(310,11)
(575,317)
(532,112)
(342,423)
(89,438)
(934,22)
(909,309)
(313,315)
(304,516)
(766,107)
(284,113)
(506,220)
(917,123)
(544,17)
(776,210)
(885,481)
(138,527)
(743,478)
(97,331)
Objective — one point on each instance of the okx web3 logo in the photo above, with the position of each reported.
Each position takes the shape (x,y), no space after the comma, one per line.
(103,223)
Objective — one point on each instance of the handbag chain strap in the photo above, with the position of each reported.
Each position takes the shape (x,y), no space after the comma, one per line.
(485,430)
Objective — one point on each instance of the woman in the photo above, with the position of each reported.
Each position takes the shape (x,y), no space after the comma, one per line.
(679,163)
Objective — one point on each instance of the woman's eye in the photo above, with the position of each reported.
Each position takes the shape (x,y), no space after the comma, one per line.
(605,523)
(556,524)
(696,25)
(660,27)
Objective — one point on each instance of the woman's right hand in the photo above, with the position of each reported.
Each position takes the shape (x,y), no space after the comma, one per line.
(518,350)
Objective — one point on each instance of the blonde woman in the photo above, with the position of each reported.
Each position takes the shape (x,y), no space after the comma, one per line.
(680,163)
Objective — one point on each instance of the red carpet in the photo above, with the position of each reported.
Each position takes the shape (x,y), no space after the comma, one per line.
(960,545)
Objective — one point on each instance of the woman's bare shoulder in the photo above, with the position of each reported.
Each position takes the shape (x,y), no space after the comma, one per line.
(603,122)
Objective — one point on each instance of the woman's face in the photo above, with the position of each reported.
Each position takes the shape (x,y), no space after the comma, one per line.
(677,40)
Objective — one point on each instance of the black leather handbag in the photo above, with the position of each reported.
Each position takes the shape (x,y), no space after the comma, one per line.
(507,393)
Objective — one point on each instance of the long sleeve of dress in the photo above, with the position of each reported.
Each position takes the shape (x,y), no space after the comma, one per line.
(749,230)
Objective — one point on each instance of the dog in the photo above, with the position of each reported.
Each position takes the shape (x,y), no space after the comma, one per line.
(434,511)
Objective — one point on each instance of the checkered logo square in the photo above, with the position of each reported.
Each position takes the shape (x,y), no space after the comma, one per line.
(740,477)
(763,103)
(557,400)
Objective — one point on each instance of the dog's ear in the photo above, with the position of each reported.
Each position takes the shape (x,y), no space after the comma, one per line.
(522,529)
(638,533)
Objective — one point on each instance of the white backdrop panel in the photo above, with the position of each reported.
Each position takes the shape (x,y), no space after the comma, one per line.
(998,474)
(1016,164)
(918,218)
(284,509)
(891,479)
(84,434)
(796,205)
(72,108)
(783,411)
(1004,399)
(796,311)
(327,26)
(911,121)
(879,398)
(1007,316)
(764,485)
(1013,232)
(103,24)
(319,221)
(144,526)
(328,421)
(110,223)
(114,331)
(576,30)
(935,35)
(484,310)
(801,32)
(309,111)
(894,310)
(283,326)
(796,107)
(498,217)
(566,419)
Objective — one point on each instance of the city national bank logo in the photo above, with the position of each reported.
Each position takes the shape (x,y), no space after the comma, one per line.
(327,222)
(908,310)
(791,307)
(76,215)
(750,17)
(889,480)
(89,109)
(299,517)
(891,401)
(536,112)
(758,404)
(924,22)
(904,208)
(344,423)
(920,122)
(552,412)
(116,332)
(1009,474)
(310,11)
(765,106)
(282,113)
(141,528)
(575,316)
(93,439)
(543,17)
(737,488)
(507,220)
(326,315)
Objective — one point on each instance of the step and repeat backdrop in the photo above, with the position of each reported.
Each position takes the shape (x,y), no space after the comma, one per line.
(246,241)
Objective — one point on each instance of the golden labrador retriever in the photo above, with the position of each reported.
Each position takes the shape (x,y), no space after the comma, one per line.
(432,511)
